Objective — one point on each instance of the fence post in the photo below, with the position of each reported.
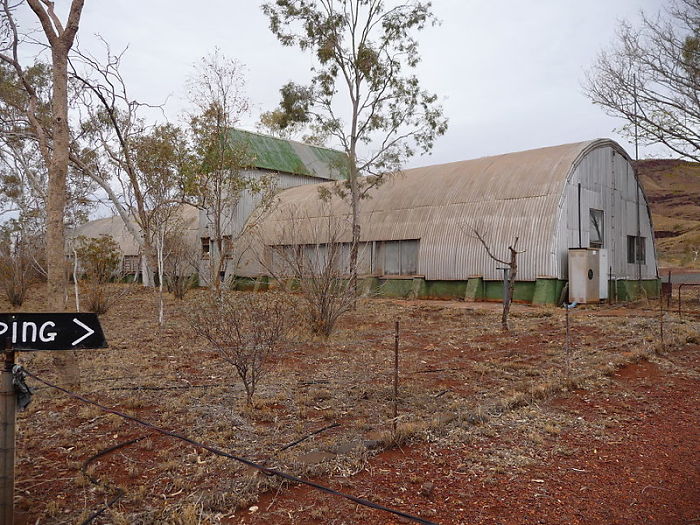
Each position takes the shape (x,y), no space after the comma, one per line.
(567,344)
(396,375)
(8,403)
(661,320)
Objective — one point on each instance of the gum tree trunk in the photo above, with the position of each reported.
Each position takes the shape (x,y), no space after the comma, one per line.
(61,40)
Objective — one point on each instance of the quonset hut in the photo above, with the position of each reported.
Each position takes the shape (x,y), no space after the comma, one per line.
(290,164)
(566,204)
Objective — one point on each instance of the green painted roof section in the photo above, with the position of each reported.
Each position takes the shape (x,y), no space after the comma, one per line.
(289,156)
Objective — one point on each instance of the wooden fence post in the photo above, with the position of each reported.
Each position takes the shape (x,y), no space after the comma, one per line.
(396,375)
(8,403)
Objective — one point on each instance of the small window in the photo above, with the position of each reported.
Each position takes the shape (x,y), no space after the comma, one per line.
(597,228)
(205,245)
(131,264)
(636,249)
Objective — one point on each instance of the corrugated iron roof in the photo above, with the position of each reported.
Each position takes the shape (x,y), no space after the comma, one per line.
(504,196)
(114,227)
(289,156)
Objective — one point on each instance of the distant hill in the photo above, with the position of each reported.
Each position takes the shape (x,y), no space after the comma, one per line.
(673,190)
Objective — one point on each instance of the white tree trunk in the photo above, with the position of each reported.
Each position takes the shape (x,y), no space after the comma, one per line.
(75,280)
(146,272)
(159,253)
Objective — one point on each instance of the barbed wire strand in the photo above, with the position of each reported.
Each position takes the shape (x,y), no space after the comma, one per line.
(216,451)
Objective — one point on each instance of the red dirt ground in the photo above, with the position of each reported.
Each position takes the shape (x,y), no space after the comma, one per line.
(494,439)
(645,468)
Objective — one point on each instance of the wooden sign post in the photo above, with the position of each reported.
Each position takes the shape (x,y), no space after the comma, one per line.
(8,403)
(33,332)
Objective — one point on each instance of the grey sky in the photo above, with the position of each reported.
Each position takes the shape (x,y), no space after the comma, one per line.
(508,72)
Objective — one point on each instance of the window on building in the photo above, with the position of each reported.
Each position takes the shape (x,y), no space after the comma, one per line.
(396,257)
(131,264)
(205,245)
(392,257)
(636,249)
(379,258)
(597,229)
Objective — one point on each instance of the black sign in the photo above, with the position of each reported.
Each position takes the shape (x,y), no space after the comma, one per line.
(59,331)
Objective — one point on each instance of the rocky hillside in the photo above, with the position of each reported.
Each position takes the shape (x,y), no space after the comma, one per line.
(673,190)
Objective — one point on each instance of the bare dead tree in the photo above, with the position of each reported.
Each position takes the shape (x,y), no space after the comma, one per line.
(319,269)
(651,78)
(512,264)
(246,330)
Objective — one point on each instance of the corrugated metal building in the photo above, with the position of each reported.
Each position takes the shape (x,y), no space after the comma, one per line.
(291,164)
(188,217)
(288,162)
(417,229)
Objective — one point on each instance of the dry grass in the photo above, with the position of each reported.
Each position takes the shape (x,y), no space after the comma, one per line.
(461,381)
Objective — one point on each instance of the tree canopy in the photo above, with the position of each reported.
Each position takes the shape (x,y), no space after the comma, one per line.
(361,93)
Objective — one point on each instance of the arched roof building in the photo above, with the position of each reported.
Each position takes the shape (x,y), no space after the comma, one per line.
(421,222)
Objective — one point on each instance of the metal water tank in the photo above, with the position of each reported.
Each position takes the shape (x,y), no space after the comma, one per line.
(585,275)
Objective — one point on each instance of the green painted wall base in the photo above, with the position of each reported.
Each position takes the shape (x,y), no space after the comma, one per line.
(547,290)
(634,290)
(368,286)
(254,284)
(414,288)
(442,289)
(475,289)
(542,291)
(395,288)
(523,291)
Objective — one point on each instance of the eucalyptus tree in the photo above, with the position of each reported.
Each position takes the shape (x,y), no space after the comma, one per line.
(161,157)
(363,93)
(52,134)
(23,172)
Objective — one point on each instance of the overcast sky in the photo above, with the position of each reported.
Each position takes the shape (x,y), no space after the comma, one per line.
(508,72)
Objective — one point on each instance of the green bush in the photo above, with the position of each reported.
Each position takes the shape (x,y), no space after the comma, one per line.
(99,260)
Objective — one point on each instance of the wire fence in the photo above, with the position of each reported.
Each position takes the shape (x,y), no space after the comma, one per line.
(218,452)
(385,339)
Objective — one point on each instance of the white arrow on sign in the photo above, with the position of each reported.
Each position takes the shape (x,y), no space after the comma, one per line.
(90,331)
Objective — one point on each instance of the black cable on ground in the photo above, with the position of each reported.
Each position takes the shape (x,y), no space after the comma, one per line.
(300,440)
(119,493)
(219,452)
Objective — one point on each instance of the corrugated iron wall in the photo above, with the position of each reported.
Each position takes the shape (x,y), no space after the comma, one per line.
(607,183)
(244,261)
